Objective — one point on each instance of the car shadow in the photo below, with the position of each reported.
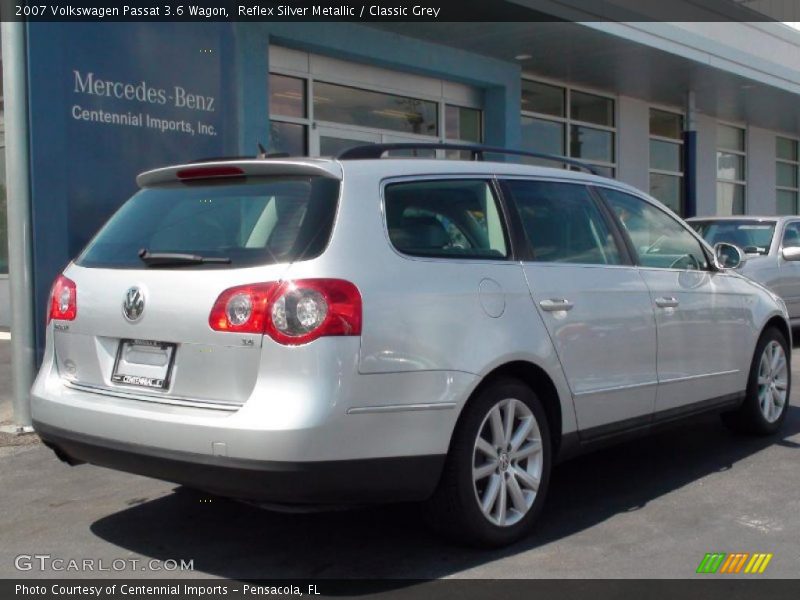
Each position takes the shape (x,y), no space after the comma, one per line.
(237,541)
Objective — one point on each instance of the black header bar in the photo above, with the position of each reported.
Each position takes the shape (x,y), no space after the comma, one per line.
(395,10)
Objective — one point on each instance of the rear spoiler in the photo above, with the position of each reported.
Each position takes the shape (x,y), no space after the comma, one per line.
(241,168)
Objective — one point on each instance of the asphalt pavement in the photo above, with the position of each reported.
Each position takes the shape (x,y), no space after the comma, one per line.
(648,508)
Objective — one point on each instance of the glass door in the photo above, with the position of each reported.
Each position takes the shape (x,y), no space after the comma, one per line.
(330,141)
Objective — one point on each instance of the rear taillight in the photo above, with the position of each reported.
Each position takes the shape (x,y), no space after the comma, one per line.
(290,312)
(242,309)
(63,300)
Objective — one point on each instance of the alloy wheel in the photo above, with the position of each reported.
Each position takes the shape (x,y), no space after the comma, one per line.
(772,381)
(507,462)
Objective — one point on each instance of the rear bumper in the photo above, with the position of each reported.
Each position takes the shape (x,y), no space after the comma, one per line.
(358,481)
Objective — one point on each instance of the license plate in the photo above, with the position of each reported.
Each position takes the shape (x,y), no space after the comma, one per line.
(144,363)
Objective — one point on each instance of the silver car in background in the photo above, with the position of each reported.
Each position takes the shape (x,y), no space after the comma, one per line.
(362,329)
(771,247)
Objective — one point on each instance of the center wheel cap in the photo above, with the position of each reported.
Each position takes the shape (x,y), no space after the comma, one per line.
(503,461)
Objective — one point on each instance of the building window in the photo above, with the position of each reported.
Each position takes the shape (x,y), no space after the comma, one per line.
(288,105)
(344,116)
(463,124)
(731,183)
(568,122)
(666,159)
(786,176)
(375,110)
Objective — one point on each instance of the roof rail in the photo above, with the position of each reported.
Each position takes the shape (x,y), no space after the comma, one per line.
(374,151)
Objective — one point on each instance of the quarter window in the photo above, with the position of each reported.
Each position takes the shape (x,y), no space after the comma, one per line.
(563,223)
(660,241)
(449,218)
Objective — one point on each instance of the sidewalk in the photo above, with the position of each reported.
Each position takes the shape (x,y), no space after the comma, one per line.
(8,440)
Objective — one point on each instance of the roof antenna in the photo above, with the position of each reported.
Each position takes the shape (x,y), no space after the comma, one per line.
(262,152)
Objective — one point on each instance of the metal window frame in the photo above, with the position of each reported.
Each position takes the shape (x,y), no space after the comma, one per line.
(568,121)
(796,164)
(679,142)
(743,153)
(311,123)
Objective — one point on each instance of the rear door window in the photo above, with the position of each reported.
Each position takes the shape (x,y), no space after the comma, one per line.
(445,218)
(659,239)
(250,222)
(563,223)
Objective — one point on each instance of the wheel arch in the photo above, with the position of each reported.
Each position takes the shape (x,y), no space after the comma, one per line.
(539,381)
(779,323)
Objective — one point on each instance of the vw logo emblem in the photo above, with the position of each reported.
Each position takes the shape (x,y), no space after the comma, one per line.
(505,462)
(133,305)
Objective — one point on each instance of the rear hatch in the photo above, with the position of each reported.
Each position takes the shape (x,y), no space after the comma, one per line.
(146,285)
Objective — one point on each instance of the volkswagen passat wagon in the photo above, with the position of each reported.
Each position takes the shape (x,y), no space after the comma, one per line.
(323,331)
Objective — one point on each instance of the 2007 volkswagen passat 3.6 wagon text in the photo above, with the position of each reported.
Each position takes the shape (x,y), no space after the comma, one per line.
(375,328)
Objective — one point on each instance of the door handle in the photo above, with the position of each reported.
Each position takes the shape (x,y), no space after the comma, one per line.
(667,302)
(555,304)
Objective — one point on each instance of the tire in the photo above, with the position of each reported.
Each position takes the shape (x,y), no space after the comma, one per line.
(768,388)
(513,473)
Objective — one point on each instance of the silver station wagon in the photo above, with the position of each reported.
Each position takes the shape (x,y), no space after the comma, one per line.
(371,328)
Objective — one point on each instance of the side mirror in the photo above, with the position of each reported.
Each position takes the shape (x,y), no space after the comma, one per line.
(792,253)
(729,256)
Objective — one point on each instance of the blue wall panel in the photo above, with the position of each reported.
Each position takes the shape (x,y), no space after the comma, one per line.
(348,41)
(82,170)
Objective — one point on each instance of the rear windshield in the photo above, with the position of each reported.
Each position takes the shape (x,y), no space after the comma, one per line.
(754,237)
(250,222)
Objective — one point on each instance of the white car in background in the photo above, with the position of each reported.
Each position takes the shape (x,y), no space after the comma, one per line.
(771,246)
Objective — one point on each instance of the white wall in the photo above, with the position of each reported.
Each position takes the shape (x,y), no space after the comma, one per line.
(633,143)
(706,165)
(760,168)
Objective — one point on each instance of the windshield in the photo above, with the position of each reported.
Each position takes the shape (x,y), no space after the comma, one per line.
(245,223)
(754,237)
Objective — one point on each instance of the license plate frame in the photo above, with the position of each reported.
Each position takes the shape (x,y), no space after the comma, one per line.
(160,382)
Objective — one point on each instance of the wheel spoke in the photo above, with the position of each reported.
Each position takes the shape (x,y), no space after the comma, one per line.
(483,471)
(525,427)
(763,367)
(528,450)
(780,384)
(763,380)
(517,497)
(490,495)
(764,400)
(496,422)
(780,367)
(485,447)
(502,502)
(776,356)
(777,398)
(526,479)
(508,425)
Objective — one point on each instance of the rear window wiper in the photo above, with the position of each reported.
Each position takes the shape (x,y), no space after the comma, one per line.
(165,259)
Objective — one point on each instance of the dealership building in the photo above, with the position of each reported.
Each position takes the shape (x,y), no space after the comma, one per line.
(703,115)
